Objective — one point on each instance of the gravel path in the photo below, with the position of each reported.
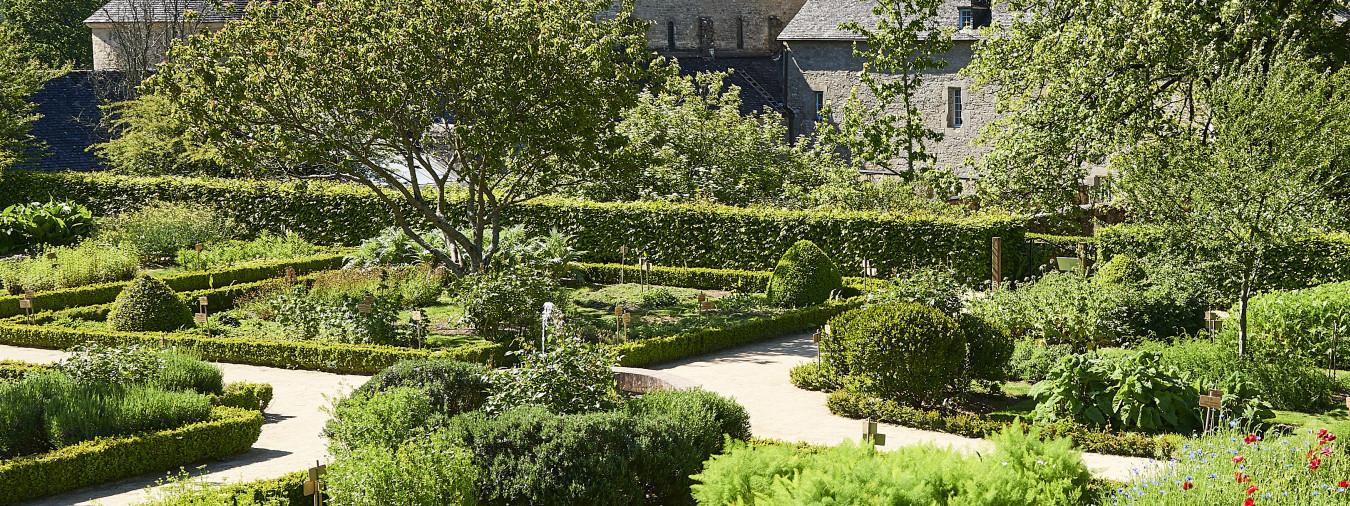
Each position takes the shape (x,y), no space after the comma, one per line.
(756,375)
(291,437)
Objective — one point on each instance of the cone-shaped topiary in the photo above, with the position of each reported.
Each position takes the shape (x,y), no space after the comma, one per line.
(805,276)
(1122,269)
(147,304)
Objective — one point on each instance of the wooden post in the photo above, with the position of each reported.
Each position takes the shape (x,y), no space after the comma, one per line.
(623,261)
(998,262)
(313,487)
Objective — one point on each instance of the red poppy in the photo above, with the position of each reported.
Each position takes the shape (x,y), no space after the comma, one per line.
(1251,438)
(1251,490)
(1241,476)
(1314,463)
(1343,484)
(1237,459)
(1187,485)
(1249,502)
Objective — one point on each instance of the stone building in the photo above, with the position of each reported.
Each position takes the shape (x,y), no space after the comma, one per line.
(144,29)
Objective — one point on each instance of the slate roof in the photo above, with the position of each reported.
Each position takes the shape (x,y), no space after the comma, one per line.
(69,123)
(819,20)
(759,78)
(211,11)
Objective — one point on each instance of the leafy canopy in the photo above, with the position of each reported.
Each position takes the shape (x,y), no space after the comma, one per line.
(21,75)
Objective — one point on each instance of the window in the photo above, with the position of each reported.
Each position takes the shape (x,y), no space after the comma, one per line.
(740,33)
(954,112)
(820,105)
(965,18)
(670,35)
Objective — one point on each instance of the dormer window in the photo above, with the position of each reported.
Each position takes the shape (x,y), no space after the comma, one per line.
(965,18)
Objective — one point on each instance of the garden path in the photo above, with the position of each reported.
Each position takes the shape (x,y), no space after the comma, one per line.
(756,375)
(291,437)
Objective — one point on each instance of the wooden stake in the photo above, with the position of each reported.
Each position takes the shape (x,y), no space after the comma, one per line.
(998,262)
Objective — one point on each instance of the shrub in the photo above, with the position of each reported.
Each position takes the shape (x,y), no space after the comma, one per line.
(1063,308)
(929,286)
(1032,360)
(228,253)
(25,226)
(901,351)
(678,430)
(1030,472)
(508,299)
(148,304)
(989,348)
(1121,269)
(1133,393)
(804,276)
(16,370)
(308,315)
(180,372)
(663,349)
(286,490)
(1285,380)
(384,420)
(390,248)
(528,455)
(569,376)
(658,298)
(245,395)
(813,376)
(113,365)
(159,230)
(452,386)
(424,470)
(74,266)
(1303,322)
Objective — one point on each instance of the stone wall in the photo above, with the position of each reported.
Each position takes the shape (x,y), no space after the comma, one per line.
(105,45)
(831,67)
(759,22)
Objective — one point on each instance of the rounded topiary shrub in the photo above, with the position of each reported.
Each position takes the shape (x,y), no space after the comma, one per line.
(907,352)
(453,387)
(989,348)
(805,276)
(148,304)
(1121,269)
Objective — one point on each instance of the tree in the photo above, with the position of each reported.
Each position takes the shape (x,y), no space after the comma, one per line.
(688,141)
(21,75)
(53,29)
(448,112)
(904,45)
(150,140)
(1080,80)
(1264,173)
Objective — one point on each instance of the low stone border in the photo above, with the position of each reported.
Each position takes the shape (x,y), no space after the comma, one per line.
(640,381)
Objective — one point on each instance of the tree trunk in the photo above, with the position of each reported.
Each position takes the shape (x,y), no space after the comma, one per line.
(1242,316)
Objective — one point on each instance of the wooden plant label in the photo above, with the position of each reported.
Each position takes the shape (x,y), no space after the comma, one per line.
(416,315)
(702,297)
(1212,401)
(290,275)
(706,305)
(618,311)
(28,294)
(51,255)
(199,247)
(25,303)
(202,301)
(200,318)
(872,435)
(627,318)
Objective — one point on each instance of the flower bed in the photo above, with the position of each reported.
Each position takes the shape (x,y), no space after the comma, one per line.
(229,431)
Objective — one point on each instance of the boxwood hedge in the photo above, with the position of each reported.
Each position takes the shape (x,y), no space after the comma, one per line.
(697,342)
(229,431)
(686,235)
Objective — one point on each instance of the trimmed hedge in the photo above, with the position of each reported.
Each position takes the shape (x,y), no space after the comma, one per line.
(1306,262)
(854,405)
(707,340)
(229,431)
(104,293)
(690,235)
(13,369)
(686,277)
(310,355)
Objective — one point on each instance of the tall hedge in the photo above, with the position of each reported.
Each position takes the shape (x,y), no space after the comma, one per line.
(685,235)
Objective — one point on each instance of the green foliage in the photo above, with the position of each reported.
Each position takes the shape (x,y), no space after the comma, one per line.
(247,395)
(27,226)
(690,277)
(307,313)
(687,235)
(228,431)
(93,292)
(1023,470)
(160,229)
(813,376)
(676,432)
(112,365)
(180,372)
(1121,269)
(989,348)
(568,376)
(53,30)
(424,470)
(151,140)
(902,351)
(804,276)
(658,298)
(382,419)
(317,356)
(687,141)
(11,370)
(851,404)
(926,285)
(1133,393)
(1284,379)
(453,387)
(662,349)
(1032,360)
(1278,465)
(411,286)
(494,302)
(287,490)
(74,266)
(1303,322)
(230,253)
(148,304)
(391,247)
(24,74)
(530,456)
